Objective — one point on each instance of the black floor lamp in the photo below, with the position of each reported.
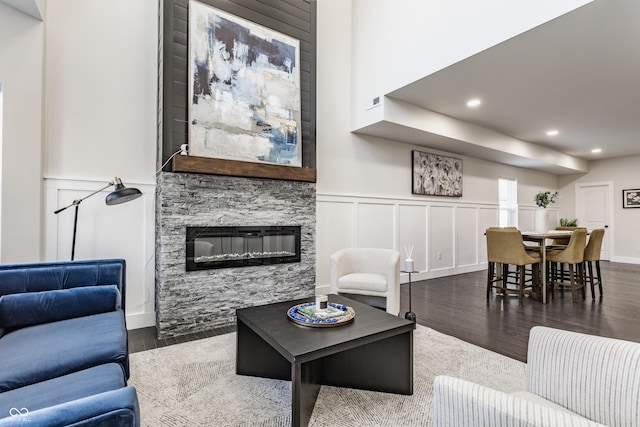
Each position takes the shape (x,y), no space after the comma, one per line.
(120,194)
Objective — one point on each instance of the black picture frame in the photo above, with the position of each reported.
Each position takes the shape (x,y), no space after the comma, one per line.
(631,198)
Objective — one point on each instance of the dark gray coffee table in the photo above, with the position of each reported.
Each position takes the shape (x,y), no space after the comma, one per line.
(373,352)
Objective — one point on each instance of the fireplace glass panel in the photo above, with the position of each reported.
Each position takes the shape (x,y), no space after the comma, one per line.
(223,247)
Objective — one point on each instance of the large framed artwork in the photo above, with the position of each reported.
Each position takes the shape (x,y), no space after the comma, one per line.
(436,175)
(244,90)
(631,198)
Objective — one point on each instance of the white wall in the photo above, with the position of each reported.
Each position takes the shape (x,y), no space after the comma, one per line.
(625,174)
(100,122)
(364,183)
(101,85)
(398,42)
(80,107)
(21,75)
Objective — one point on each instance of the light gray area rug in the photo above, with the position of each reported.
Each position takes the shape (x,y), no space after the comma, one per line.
(194,384)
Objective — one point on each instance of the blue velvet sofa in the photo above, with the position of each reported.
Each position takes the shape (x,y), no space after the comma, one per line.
(63,345)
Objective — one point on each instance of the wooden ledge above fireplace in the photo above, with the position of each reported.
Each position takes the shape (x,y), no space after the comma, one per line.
(206,165)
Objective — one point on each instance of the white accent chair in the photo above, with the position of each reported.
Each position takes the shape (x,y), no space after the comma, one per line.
(368,272)
(573,379)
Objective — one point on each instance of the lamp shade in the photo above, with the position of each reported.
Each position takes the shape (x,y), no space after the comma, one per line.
(121,194)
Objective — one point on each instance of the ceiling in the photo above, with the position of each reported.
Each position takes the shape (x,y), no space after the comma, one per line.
(30,7)
(579,74)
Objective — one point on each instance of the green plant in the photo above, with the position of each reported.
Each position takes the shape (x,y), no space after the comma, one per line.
(543,198)
(566,222)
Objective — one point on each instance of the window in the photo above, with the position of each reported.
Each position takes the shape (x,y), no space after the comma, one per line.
(508,198)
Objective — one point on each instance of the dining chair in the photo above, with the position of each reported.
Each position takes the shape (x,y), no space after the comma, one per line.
(591,256)
(573,255)
(561,243)
(506,247)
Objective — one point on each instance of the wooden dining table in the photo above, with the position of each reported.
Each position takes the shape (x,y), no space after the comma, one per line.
(541,240)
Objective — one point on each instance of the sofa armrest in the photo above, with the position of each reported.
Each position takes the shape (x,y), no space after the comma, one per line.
(113,408)
(458,402)
(596,377)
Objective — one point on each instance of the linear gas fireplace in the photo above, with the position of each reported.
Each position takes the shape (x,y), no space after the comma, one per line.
(225,247)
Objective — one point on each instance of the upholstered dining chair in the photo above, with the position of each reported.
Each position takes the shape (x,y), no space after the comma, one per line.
(573,255)
(369,275)
(591,256)
(506,247)
(561,243)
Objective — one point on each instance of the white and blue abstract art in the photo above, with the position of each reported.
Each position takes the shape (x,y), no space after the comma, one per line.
(244,91)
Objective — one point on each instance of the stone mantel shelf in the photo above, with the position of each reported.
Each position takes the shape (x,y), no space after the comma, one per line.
(206,165)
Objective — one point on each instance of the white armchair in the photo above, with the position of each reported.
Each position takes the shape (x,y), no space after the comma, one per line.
(573,379)
(369,272)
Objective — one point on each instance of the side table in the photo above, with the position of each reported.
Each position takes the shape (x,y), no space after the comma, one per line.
(410,315)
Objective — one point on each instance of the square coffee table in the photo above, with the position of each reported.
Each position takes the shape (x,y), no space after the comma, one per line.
(372,352)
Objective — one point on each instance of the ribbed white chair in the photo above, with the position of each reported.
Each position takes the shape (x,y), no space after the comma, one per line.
(369,275)
(573,379)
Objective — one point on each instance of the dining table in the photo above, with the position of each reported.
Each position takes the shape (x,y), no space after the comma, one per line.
(541,239)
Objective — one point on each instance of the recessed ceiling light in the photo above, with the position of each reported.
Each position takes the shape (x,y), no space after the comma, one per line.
(473,103)
(597,150)
(552,132)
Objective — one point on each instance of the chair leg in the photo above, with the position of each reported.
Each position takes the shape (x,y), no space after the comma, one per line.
(590,278)
(521,286)
(490,273)
(599,276)
(574,293)
(581,283)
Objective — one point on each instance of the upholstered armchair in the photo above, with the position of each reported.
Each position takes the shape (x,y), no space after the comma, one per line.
(572,379)
(371,273)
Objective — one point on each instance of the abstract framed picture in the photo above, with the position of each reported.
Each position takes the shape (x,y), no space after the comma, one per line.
(436,175)
(631,198)
(244,90)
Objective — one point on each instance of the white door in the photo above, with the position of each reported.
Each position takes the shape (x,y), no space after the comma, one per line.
(594,210)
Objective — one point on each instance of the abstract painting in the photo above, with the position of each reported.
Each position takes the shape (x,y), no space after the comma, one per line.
(436,175)
(244,89)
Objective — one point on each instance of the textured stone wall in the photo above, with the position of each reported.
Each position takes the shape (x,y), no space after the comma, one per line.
(195,301)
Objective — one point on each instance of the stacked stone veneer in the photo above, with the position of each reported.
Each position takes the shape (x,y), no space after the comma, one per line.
(194,301)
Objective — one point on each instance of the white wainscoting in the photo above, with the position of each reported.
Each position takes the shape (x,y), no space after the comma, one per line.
(447,235)
(121,231)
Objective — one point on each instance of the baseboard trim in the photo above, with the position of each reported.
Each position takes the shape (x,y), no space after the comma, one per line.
(626,260)
(141,320)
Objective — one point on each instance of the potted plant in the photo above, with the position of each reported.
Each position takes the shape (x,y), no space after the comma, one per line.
(543,199)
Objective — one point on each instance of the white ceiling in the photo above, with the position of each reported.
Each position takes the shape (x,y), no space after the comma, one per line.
(579,74)
(30,7)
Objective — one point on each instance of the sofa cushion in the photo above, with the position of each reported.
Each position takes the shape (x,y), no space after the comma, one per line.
(34,308)
(41,352)
(362,282)
(64,389)
(114,408)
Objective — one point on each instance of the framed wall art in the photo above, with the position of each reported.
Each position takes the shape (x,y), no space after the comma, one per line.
(244,90)
(436,175)
(631,198)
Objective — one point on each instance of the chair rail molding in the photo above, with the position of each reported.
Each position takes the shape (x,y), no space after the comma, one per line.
(447,235)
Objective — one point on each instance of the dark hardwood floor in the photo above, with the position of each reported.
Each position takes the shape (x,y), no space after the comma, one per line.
(457,306)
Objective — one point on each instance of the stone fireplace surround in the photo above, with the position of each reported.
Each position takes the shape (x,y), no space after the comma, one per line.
(194,301)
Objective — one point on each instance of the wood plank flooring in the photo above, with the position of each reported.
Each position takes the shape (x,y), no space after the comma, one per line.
(457,306)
